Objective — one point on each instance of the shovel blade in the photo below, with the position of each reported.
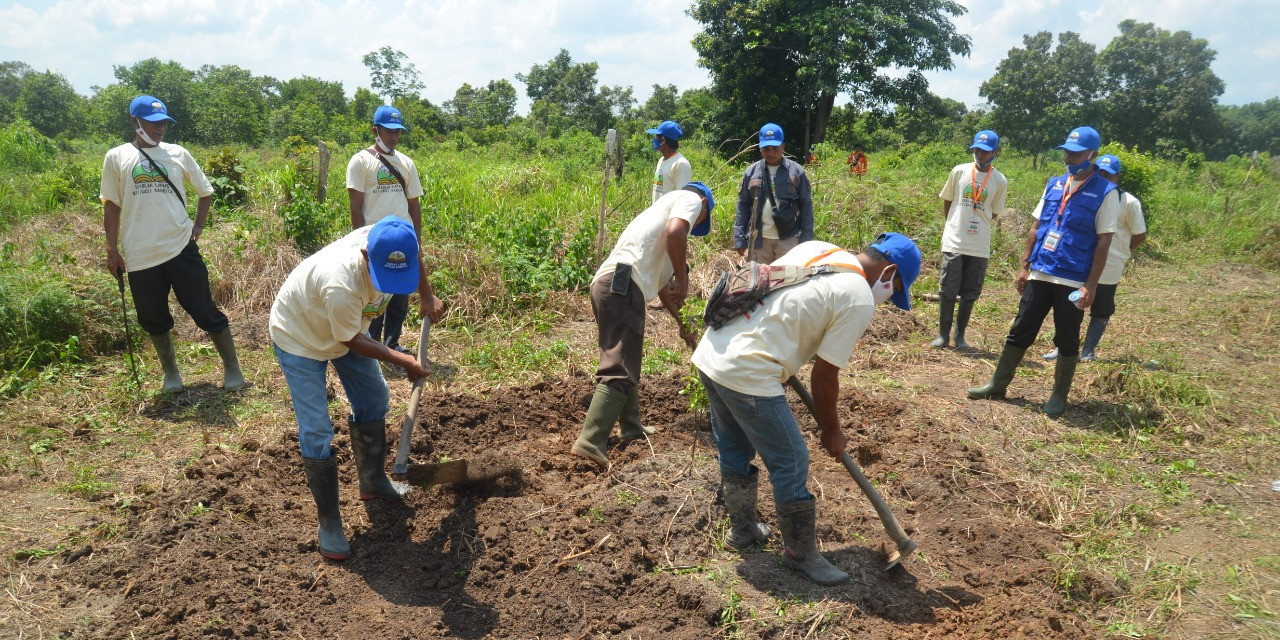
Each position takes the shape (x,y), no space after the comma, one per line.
(423,475)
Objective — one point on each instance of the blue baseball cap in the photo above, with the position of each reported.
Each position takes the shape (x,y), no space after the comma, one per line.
(987,140)
(388,117)
(904,253)
(705,227)
(668,129)
(149,108)
(1109,164)
(770,135)
(393,256)
(1082,139)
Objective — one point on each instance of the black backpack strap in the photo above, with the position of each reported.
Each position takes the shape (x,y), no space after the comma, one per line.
(404,187)
(163,174)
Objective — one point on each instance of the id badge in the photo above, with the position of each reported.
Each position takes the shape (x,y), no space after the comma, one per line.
(1051,240)
(973,224)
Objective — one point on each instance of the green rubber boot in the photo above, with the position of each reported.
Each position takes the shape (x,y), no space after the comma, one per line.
(232,378)
(168,361)
(962,321)
(369,449)
(606,406)
(322,479)
(1010,358)
(629,421)
(798,521)
(745,528)
(946,310)
(1063,372)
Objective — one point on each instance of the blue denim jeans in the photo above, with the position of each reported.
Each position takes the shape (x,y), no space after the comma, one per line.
(744,425)
(361,378)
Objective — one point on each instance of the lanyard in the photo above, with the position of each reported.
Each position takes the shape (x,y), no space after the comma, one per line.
(828,252)
(1067,196)
(973,183)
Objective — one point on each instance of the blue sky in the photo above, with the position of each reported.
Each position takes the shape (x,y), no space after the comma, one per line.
(636,43)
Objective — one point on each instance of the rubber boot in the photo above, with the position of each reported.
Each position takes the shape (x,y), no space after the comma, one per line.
(369,448)
(745,528)
(168,362)
(962,321)
(798,521)
(322,478)
(232,379)
(629,420)
(1010,358)
(946,309)
(606,406)
(1052,355)
(1092,336)
(1063,371)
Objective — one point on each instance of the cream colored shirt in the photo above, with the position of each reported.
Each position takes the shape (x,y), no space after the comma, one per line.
(154,225)
(327,300)
(823,316)
(640,246)
(671,174)
(1103,222)
(768,229)
(1131,223)
(967,230)
(383,194)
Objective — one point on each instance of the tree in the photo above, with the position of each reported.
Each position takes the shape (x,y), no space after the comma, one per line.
(49,103)
(564,95)
(229,104)
(1038,95)
(660,106)
(391,74)
(1162,94)
(786,60)
(477,108)
(327,96)
(107,114)
(11,74)
(1248,128)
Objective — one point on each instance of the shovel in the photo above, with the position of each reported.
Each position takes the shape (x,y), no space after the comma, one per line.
(891,526)
(422,474)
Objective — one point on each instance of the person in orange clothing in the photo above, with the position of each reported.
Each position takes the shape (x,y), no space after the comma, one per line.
(857,162)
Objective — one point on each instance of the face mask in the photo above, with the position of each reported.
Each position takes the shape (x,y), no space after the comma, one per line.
(882,290)
(143,134)
(655,143)
(385,148)
(1074,169)
(982,166)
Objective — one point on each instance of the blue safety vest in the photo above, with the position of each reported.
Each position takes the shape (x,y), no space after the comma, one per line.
(1073,256)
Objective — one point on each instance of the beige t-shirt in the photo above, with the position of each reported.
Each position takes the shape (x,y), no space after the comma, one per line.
(824,316)
(383,194)
(154,226)
(671,174)
(639,243)
(768,229)
(327,300)
(1103,222)
(968,227)
(1131,223)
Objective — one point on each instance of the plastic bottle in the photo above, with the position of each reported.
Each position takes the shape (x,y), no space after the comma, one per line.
(1075,297)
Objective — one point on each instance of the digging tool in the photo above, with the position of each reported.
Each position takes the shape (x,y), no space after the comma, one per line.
(891,526)
(128,335)
(422,474)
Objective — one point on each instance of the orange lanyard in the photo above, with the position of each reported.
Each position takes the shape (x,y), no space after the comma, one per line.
(1067,196)
(974,188)
(835,264)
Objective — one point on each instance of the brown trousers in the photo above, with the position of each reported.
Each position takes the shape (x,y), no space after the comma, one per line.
(620,323)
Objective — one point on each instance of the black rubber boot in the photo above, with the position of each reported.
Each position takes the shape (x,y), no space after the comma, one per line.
(962,321)
(629,420)
(1063,372)
(232,378)
(946,309)
(593,442)
(322,478)
(168,361)
(745,528)
(1010,358)
(798,521)
(369,448)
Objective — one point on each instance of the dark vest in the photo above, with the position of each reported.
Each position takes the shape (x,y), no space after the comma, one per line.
(1074,255)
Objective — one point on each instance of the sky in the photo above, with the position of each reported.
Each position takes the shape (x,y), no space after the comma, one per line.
(637,43)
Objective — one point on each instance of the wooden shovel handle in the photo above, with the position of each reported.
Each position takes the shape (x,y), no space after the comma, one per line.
(401,464)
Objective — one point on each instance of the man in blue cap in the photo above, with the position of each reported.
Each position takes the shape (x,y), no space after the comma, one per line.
(673,171)
(383,182)
(775,204)
(643,264)
(151,236)
(1065,253)
(1131,232)
(971,199)
(745,362)
(320,317)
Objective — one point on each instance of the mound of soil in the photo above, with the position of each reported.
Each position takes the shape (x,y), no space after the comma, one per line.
(540,544)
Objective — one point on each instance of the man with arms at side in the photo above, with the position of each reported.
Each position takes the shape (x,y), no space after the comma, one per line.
(775,194)
(673,170)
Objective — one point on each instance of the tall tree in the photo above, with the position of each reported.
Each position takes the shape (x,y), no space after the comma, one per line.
(391,74)
(49,103)
(11,73)
(229,104)
(479,107)
(1162,93)
(661,105)
(786,60)
(564,95)
(1039,93)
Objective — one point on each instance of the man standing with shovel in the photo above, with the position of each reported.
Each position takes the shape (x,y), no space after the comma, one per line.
(745,362)
(321,316)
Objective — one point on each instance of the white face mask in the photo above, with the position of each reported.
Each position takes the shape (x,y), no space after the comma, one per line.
(385,148)
(143,134)
(882,290)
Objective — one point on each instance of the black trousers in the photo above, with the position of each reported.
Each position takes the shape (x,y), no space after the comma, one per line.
(1038,299)
(391,322)
(188,277)
(1104,302)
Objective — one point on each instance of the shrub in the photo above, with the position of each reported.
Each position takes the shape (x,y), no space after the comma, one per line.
(226,172)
